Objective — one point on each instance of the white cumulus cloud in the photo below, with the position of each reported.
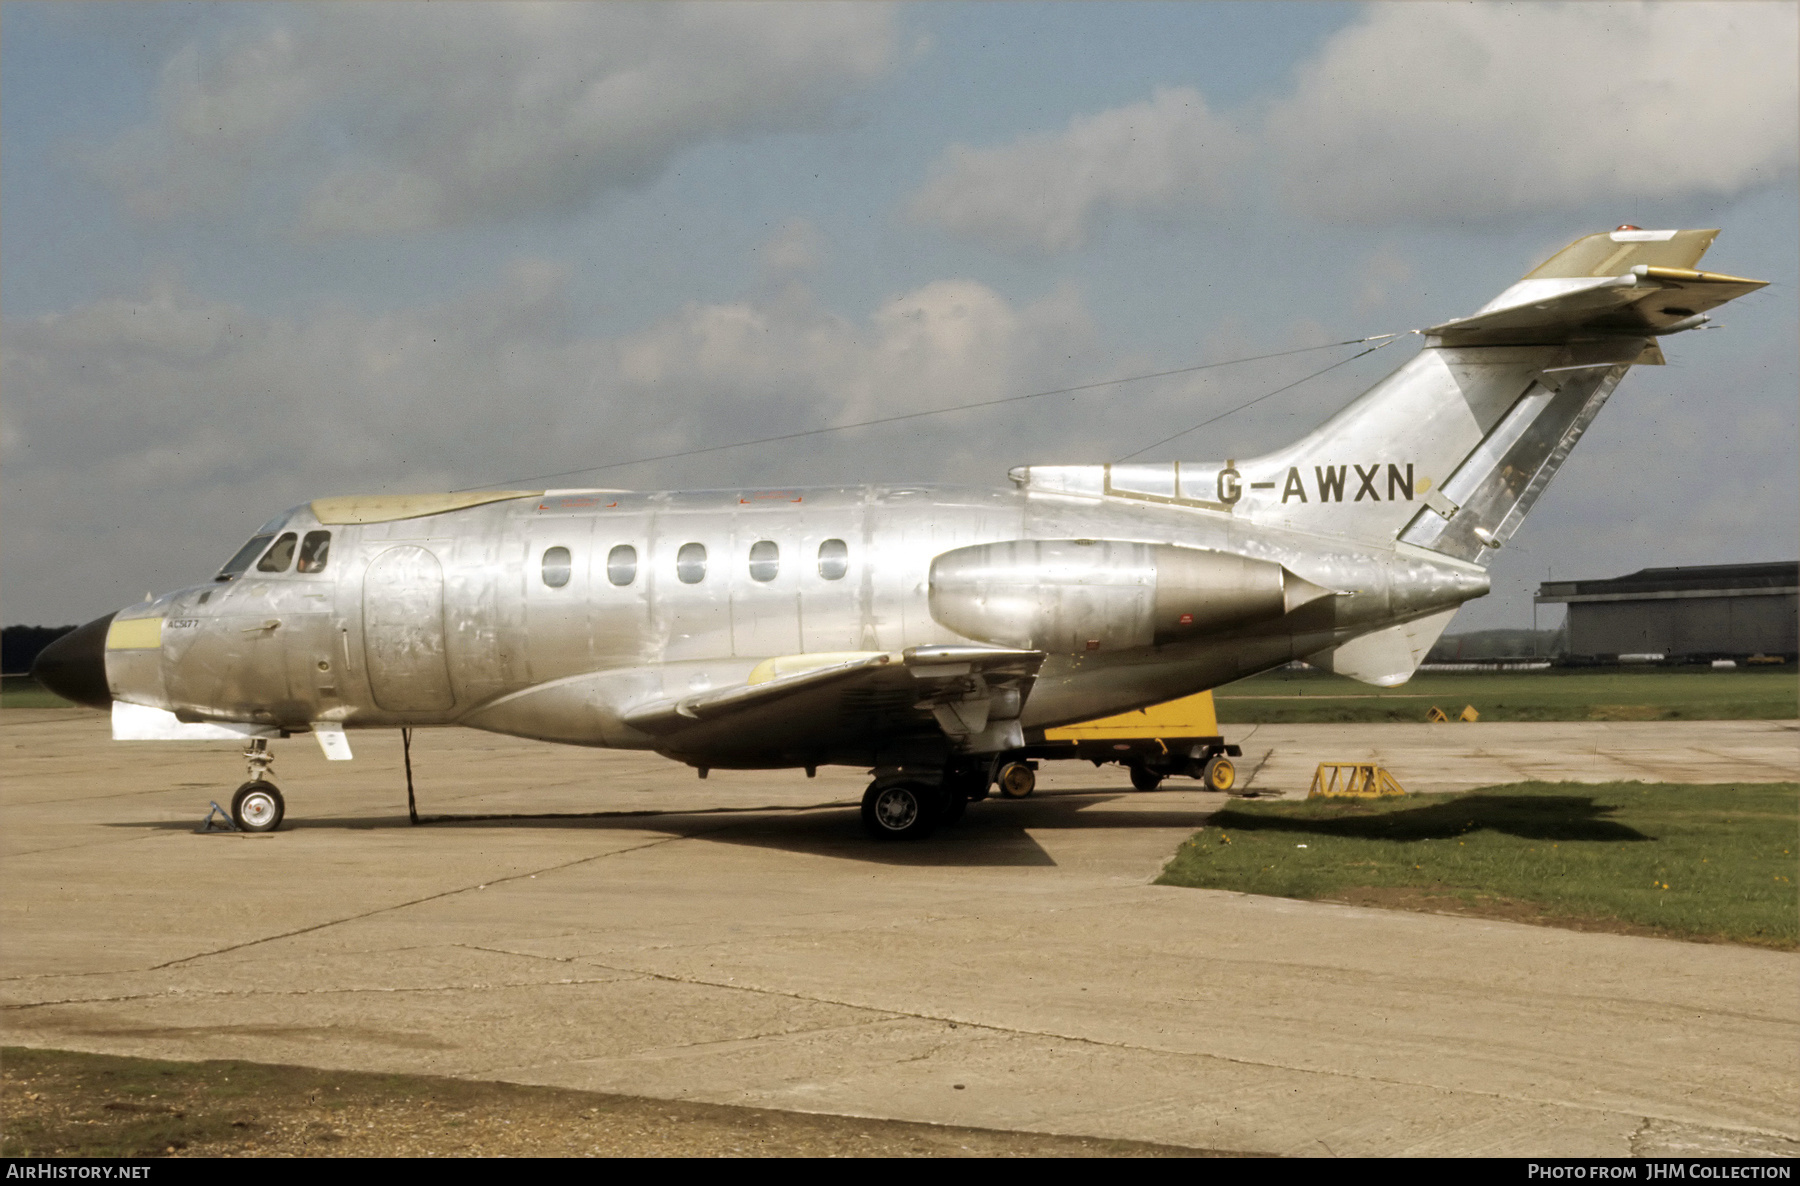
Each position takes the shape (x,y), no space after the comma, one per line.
(1478,111)
(1045,191)
(144,433)
(1421,113)
(395,117)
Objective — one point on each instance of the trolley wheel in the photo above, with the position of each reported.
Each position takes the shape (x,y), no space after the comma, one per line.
(1218,774)
(1144,778)
(900,811)
(257,807)
(1017,780)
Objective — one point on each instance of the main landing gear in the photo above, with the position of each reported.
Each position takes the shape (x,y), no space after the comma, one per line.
(903,810)
(896,807)
(257,806)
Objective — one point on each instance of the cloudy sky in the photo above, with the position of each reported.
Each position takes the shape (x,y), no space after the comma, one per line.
(253,254)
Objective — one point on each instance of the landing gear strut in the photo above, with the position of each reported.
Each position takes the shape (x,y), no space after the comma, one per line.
(257,806)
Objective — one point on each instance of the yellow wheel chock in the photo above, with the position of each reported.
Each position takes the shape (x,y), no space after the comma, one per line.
(1353,780)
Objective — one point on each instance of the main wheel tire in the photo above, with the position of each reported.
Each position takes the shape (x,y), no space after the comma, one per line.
(1218,774)
(257,807)
(954,804)
(900,811)
(1144,778)
(1016,780)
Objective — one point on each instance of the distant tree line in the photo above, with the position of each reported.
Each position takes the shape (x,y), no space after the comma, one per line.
(1481,646)
(19,645)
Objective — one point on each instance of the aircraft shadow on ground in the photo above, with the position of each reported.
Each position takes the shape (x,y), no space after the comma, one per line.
(1529,817)
(991,833)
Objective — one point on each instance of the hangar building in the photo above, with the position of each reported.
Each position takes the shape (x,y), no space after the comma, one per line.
(1717,611)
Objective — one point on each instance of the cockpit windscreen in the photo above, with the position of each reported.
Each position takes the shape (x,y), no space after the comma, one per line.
(237,564)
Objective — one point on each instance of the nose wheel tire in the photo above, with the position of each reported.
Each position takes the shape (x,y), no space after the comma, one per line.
(257,807)
(900,811)
(1218,774)
(1145,779)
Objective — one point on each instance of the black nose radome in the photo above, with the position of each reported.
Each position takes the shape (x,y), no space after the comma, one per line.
(74,666)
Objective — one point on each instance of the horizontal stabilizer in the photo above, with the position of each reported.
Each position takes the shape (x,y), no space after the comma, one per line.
(1636,305)
(1624,284)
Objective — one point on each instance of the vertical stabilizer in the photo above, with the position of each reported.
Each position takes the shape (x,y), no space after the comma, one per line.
(1451,451)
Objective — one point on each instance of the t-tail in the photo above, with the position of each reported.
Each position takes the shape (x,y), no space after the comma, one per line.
(1450,452)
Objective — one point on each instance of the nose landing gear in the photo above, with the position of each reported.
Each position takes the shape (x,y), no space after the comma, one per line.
(257,806)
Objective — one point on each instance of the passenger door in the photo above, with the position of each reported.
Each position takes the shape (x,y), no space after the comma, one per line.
(403,631)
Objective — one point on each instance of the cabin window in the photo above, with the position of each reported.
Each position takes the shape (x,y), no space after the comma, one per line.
(556,567)
(621,565)
(834,559)
(765,560)
(315,550)
(690,563)
(277,558)
(249,552)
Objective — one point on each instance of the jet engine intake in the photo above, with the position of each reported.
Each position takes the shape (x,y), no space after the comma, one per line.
(1078,595)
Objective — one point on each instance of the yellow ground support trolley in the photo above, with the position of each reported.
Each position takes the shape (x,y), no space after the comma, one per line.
(1178,737)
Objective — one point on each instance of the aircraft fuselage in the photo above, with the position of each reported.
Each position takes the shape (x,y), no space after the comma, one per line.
(550,616)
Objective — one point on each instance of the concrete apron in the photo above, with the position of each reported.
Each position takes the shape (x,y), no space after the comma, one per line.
(746,945)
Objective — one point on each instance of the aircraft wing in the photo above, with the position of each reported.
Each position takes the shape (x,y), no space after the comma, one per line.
(969,693)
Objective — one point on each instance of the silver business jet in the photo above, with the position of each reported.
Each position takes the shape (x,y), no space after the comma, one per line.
(929,634)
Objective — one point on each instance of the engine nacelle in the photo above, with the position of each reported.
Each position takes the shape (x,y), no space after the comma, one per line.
(1078,595)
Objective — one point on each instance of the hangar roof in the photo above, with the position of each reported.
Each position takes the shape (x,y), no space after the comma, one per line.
(1698,580)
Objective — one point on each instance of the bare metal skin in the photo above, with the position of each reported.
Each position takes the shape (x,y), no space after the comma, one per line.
(911,629)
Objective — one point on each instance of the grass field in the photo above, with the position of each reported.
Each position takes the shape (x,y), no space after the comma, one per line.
(1574,694)
(21,691)
(1310,697)
(1695,862)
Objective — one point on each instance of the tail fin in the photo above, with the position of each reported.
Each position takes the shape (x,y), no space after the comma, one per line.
(1451,451)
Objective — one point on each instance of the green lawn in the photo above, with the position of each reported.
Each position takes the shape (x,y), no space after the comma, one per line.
(21,691)
(1700,862)
(1575,694)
